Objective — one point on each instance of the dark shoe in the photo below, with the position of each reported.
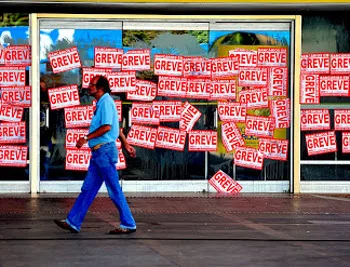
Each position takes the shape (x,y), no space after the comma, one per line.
(64,225)
(121,231)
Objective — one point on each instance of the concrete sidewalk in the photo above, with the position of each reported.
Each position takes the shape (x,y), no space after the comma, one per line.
(180,230)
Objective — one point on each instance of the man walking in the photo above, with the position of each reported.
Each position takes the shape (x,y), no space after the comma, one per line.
(103,132)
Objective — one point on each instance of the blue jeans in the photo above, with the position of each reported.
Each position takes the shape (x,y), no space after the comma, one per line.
(102,168)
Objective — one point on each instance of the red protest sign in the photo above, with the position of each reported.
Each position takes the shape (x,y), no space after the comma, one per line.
(274,148)
(11,113)
(199,88)
(78,116)
(64,60)
(224,89)
(189,116)
(137,59)
(19,55)
(321,143)
(144,113)
(278,82)
(345,142)
(142,136)
(272,57)
(314,119)
(172,86)
(2,55)
(202,140)
(77,159)
(170,138)
(121,164)
(89,73)
(335,85)
(224,183)
(246,58)
(231,136)
(309,88)
(341,119)
(120,82)
(259,126)
(256,77)
(14,156)
(340,63)
(16,96)
(224,67)
(168,65)
(12,76)
(232,111)
(73,135)
(12,132)
(197,67)
(119,107)
(108,57)
(145,91)
(315,63)
(280,110)
(249,158)
(254,98)
(168,110)
(64,96)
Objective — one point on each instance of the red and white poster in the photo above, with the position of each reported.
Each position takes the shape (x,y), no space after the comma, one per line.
(259,126)
(254,98)
(309,88)
(142,136)
(14,156)
(77,159)
(145,91)
(274,148)
(315,119)
(12,132)
(280,110)
(197,67)
(224,67)
(168,110)
(224,89)
(11,113)
(168,65)
(16,96)
(2,55)
(121,164)
(278,82)
(340,63)
(272,57)
(108,57)
(12,76)
(64,96)
(232,111)
(19,55)
(334,85)
(144,113)
(231,136)
(321,143)
(342,119)
(202,140)
(73,135)
(172,86)
(171,138)
(89,73)
(345,142)
(315,63)
(223,183)
(199,88)
(189,116)
(249,158)
(246,58)
(124,81)
(63,60)
(255,77)
(119,107)
(78,116)
(137,59)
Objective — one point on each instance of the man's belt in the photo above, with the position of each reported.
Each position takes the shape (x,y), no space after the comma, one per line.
(94,148)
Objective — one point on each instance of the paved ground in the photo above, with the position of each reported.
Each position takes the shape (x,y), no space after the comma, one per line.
(180,230)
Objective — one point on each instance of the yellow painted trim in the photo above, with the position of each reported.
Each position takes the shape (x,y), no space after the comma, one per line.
(296,128)
(207,1)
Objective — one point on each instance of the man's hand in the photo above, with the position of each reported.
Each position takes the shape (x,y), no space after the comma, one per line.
(81,142)
(131,150)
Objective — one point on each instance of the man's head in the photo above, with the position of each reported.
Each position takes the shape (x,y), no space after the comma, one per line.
(99,85)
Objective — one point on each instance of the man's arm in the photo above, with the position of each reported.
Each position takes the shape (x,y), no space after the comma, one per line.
(98,132)
(131,150)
